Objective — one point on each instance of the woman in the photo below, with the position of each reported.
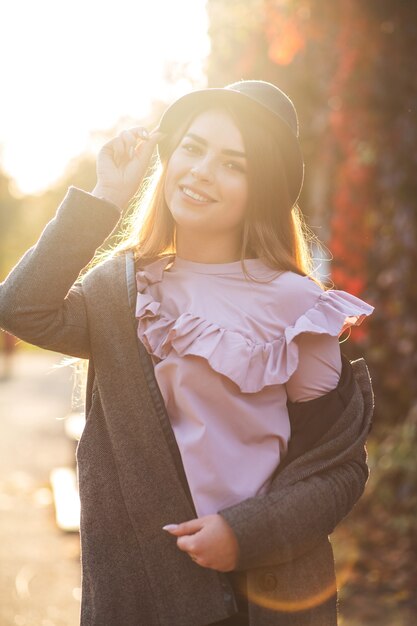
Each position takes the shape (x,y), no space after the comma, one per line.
(187,515)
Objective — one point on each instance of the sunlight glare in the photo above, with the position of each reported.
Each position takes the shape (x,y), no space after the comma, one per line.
(77,67)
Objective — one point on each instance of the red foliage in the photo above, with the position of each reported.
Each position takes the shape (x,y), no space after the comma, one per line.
(350,124)
(284,34)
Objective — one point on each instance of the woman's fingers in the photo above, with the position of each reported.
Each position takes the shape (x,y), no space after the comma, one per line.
(216,546)
(113,150)
(185,533)
(150,142)
(185,528)
(124,144)
(130,139)
(130,142)
(123,161)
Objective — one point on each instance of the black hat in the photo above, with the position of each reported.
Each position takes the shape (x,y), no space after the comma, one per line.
(268,99)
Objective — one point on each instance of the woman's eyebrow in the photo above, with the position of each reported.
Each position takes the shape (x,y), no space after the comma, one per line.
(227,151)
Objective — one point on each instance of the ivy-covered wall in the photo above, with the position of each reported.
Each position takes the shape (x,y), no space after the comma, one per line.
(350,66)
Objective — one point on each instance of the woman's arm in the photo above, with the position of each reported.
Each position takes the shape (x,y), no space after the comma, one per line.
(319,367)
(303,507)
(312,419)
(286,524)
(38,301)
(324,479)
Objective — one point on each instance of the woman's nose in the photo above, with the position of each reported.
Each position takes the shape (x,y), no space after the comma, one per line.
(202,170)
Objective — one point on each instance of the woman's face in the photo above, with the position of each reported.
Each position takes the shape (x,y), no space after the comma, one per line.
(206,185)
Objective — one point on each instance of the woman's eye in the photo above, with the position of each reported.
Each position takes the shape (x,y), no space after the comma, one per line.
(193,149)
(189,147)
(235,166)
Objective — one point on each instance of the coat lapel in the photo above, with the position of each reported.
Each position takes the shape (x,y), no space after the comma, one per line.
(154,391)
(127,409)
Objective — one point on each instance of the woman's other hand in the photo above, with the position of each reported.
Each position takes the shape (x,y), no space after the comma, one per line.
(209,541)
(122,163)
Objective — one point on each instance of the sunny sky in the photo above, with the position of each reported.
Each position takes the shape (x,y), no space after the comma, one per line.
(73,68)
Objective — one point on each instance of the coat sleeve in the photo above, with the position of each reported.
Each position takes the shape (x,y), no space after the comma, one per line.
(39,301)
(291,519)
(285,524)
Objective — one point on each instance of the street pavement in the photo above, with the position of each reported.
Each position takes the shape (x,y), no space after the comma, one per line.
(39,564)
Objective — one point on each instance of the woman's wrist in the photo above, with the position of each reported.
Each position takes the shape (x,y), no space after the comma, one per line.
(109,195)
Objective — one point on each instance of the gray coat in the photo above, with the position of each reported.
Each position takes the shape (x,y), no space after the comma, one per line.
(131,477)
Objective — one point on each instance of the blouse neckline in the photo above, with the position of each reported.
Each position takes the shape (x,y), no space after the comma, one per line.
(233,267)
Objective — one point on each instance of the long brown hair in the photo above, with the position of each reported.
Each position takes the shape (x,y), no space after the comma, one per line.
(273,230)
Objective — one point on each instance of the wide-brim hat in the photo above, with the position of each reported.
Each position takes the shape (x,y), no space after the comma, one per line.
(273,104)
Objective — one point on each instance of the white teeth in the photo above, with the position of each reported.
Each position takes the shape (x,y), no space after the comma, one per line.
(194,195)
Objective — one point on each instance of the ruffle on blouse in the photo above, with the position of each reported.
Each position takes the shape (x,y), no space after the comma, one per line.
(249,364)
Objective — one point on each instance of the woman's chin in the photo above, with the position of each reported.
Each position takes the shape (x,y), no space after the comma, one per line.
(189,216)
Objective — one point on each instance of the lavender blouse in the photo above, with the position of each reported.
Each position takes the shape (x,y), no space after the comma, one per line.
(228,352)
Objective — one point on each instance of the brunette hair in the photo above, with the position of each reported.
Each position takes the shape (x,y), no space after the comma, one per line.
(273,230)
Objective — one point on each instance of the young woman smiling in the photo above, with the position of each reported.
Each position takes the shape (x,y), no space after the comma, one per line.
(206,189)
(225,433)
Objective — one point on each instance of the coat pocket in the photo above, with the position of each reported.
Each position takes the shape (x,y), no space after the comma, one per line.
(300,592)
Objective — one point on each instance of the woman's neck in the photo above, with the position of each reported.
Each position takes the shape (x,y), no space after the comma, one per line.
(199,248)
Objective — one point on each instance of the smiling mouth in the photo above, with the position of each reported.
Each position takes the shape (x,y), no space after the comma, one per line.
(192,195)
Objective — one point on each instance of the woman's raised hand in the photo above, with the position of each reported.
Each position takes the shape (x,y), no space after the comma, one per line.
(122,163)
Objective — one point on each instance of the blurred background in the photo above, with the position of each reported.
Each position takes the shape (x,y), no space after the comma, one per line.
(74,74)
